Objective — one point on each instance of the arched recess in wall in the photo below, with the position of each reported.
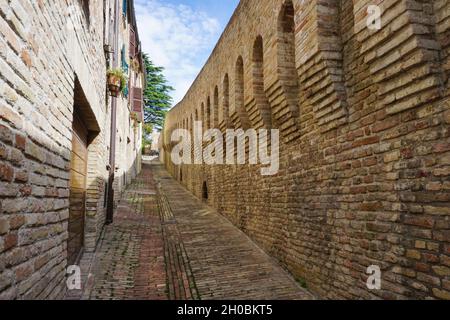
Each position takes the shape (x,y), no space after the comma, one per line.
(262,115)
(208,113)
(205,191)
(226,101)
(196,148)
(215,113)
(202,115)
(287,71)
(239,95)
(442,27)
(191,130)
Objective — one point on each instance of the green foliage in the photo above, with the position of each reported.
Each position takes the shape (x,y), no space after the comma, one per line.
(157,99)
(147,134)
(120,74)
(302,282)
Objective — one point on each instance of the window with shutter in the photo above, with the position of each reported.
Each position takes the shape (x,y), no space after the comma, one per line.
(86,10)
(124,60)
(138,102)
(124,7)
(132,43)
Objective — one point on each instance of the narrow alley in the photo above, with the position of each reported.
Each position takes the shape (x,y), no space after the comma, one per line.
(166,244)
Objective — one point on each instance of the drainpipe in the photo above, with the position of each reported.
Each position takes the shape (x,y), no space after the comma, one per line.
(112,151)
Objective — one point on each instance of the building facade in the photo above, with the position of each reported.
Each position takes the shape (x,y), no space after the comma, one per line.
(364,120)
(64,141)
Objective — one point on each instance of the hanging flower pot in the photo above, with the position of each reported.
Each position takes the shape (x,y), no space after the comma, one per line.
(135,65)
(114,85)
(116,81)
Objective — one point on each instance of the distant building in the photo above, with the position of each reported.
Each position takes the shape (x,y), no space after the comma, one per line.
(155,140)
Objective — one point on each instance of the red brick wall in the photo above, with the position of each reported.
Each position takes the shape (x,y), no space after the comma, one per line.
(51,56)
(365,143)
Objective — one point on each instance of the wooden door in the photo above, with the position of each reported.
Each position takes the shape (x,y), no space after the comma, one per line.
(77,198)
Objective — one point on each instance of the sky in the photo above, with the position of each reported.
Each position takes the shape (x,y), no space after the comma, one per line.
(179,35)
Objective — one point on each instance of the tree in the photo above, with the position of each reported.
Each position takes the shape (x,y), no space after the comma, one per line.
(147,134)
(157,99)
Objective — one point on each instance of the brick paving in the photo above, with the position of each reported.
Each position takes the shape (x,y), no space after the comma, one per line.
(166,244)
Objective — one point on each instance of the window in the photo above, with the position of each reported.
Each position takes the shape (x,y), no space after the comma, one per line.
(132,43)
(137,101)
(85,6)
(124,63)
(124,7)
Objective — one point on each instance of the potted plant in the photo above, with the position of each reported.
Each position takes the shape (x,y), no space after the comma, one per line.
(136,116)
(117,81)
(135,65)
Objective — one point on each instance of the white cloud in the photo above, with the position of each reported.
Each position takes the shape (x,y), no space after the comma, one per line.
(177,38)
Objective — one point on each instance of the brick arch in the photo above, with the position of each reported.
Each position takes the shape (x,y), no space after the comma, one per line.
(215,111)
(225,110)
(259,111)
(197,149)
(286,110)
(202,115)
(423,25)
(335,169)
(208,113)
(442,29)
(191,131)
(319,62)
(240,116)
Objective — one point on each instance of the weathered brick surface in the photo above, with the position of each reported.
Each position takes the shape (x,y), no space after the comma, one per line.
(364,154)
(129,263)
(165,244)
(51,57)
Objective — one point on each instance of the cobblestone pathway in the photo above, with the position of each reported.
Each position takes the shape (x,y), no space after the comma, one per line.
(166,244)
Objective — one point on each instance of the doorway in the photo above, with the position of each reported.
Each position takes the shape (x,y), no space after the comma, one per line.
(77,197)
(205,191)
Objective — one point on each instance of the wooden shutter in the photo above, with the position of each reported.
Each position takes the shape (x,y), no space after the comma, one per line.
(138,102)
(132,43)
(125,7)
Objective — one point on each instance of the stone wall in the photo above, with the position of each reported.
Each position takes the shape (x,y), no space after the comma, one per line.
(51,58)
(364,121)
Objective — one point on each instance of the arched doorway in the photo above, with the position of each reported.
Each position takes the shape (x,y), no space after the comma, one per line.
(85,129)
(77,197)
(205,191)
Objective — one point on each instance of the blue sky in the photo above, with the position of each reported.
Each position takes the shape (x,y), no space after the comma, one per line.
(180,35)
